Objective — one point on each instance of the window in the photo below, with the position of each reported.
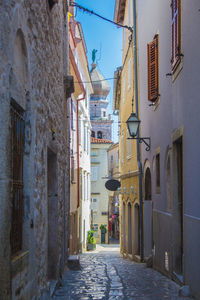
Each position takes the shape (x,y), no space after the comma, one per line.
(52,2)
(104,213)
(99,135)
(158,172)
(103,113)
(17,160)
(176,33)
(94,173)
(94,204)
(93,134)
(153,80)
(94,152)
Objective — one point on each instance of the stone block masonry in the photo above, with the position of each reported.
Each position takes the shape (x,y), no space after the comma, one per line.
(32,72)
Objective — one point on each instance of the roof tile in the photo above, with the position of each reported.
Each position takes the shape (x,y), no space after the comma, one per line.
(100,141)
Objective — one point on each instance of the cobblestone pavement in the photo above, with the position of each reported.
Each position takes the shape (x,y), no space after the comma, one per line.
(106,275)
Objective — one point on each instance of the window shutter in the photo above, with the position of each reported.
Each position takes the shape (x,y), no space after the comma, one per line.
(152,49)
(176,32)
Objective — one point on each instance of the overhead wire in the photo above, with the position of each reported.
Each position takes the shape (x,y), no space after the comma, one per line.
(99,16)
(117,24)
(76,5)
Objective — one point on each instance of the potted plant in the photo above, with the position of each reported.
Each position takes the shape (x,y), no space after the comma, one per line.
(91,242)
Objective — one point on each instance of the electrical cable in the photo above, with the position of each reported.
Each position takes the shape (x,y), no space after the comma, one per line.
(99,16)
(111,78)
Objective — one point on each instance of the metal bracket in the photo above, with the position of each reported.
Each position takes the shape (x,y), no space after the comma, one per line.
(148,144)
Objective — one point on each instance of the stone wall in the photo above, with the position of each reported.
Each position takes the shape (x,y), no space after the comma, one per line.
(32,70)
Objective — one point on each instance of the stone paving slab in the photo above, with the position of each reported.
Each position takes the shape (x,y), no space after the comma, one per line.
(105,275)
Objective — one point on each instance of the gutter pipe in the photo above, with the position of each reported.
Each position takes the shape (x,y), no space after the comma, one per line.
(78,160)
(138,144)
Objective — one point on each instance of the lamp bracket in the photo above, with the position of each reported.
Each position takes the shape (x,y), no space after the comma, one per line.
(144,140)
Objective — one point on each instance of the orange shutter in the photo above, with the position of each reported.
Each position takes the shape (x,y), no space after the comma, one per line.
(153,81)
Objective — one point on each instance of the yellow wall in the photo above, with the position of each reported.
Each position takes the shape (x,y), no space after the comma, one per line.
(127,154)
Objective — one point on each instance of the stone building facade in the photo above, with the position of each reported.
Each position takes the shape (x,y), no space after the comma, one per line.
(34,146)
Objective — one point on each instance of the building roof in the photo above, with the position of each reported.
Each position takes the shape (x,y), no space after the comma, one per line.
(119,11)
(100,141)
(100,85)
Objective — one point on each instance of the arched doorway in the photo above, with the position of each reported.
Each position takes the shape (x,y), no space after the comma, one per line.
(148,184)
(129,228)
(148,224)
(136,229)
(124,227)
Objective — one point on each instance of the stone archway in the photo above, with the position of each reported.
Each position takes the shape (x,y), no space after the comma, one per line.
(148,215)
(136,229)
(129,228)
(147,182)
(124,227)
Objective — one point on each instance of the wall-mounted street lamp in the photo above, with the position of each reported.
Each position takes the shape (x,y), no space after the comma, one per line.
(133,126)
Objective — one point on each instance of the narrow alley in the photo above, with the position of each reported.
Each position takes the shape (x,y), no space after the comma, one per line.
(104,274)
(99,149)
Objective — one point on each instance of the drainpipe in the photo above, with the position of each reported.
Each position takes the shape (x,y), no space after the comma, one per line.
(138,144)
(77,133)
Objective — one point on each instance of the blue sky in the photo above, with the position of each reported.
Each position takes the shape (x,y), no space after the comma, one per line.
(106,38)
